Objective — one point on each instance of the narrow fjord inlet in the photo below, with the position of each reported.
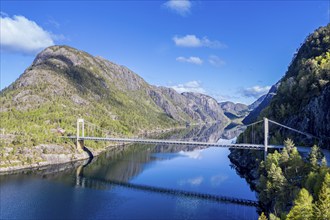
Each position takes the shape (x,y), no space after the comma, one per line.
(165,110)
(147,180)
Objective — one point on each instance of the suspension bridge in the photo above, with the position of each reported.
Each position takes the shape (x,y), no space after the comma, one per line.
(94,182)
(80,138)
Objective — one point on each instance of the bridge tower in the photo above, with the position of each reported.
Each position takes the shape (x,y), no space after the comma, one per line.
(266,131)
(80,143)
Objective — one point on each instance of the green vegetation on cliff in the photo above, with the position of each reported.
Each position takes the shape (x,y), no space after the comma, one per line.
(64,84)
(302,99)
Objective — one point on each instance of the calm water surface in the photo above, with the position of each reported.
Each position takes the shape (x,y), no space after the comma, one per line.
(92,192)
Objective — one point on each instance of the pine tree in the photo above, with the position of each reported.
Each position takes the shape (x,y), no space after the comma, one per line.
(303,208)
(324,162)
(288,143)
(273,217)
(284,156)
(313,156)
(262,217)
(322,207)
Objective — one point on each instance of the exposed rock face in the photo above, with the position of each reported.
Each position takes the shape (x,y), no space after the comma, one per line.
(234,110)
(315,116)
(246,163)
(265,100)
(206,107)
(189,107)
(256,103)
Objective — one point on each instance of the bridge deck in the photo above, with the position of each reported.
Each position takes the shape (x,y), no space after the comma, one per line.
(174,142)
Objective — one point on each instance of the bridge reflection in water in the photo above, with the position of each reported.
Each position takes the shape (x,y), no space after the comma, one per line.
(118,169)
(103,184)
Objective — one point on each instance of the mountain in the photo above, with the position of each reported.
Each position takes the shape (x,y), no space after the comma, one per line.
(302,99)
(260,104)
(234,110)
(188,106)
(64,83)
(256,103)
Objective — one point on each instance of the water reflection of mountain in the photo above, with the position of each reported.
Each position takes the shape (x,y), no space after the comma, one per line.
(125,162)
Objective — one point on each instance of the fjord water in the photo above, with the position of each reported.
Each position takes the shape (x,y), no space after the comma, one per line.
(91,190)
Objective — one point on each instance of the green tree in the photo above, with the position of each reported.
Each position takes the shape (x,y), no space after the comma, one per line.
(314,156)
(262,217)
(322,206)
(288,143)
(303,208)
(273,217)
(284,156)
(324,162)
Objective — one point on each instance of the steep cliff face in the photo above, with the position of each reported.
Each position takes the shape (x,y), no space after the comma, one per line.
(301,98)
(206,107)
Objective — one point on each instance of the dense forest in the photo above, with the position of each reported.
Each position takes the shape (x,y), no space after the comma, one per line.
(293,188)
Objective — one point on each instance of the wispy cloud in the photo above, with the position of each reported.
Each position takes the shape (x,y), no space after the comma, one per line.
(21,35)
(191,40)
(255,91)
(216,61)
(194,60)
(218,179)
(51,21)
(193,181)
(181,7)
(191,86)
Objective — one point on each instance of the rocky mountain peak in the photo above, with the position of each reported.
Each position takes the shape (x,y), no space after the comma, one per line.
(66,54)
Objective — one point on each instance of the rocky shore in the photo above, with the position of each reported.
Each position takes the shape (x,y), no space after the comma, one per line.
(44,155)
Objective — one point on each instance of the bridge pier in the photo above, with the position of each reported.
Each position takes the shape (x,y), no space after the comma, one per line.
(80,143)
(266,130)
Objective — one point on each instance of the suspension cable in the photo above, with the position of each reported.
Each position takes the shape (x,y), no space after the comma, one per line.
(295,130)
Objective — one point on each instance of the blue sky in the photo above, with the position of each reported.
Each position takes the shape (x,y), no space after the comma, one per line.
(231,50)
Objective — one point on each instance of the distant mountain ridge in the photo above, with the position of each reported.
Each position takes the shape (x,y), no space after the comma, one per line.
(234,110)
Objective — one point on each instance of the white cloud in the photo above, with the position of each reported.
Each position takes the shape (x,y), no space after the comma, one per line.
(196,154)
(192,86)
(193,41)
(182,7)
(218,179)
(216,61)
(187,41)
(196,181)
(194,60)
(255,91)
(18,34)
(193,181)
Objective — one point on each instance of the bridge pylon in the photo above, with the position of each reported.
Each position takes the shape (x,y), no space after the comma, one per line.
(80,143)
(266,131)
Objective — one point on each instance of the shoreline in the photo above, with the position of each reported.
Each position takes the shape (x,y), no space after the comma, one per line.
(62,159)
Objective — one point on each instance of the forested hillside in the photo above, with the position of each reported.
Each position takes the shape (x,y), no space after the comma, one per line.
(302,100)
